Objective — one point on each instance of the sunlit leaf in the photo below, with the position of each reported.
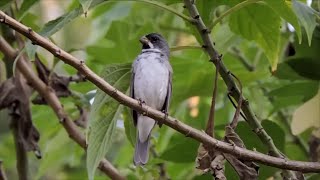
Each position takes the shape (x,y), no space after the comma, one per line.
(286,12)
(306,16)
(252,23)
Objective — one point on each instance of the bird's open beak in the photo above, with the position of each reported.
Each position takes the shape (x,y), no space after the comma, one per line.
(145,41)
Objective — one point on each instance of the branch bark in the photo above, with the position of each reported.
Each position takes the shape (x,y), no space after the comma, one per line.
(157,115)
(232,87)
(53,101)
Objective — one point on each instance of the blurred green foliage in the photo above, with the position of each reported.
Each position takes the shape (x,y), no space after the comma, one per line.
(108,41)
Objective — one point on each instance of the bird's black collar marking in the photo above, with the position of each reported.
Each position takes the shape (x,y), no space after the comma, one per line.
(152,50)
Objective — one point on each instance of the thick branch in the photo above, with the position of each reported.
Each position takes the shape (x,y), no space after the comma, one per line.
(235,92)
(228,79)
(55,104)
(157,115)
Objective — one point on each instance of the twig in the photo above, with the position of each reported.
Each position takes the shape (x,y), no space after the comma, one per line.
(231,10)
(178,48)
(235,119)
(210,123)
(236,52)
(228,79)
(163,6)
(226,75)
(286,122)
(55,104)
(3,175)
(155,114)
(162,168)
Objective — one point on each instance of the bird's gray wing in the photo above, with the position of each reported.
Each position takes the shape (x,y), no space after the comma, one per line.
(166,104)
(133,112)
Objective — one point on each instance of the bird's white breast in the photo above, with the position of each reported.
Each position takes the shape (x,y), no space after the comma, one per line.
(151,79)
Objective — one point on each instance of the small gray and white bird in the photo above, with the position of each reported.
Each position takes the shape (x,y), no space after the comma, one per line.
(151,84)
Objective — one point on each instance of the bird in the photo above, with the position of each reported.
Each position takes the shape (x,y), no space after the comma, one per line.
(151,83)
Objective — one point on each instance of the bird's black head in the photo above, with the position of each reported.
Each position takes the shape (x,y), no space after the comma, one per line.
(155,41)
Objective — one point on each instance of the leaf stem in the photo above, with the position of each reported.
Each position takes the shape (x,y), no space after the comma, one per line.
(231,10)
(165,7)
(179,48)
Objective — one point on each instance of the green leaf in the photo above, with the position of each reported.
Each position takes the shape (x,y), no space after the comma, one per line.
(55,25)
(54,155)
(293,151)
(304,89)
(129,126)
(252,23)
(286,12)
(181,150)
(251,142)
(104,114)
(4,4)
(277,135)
(306,67)
(306,16)
(85,5)
(26,5)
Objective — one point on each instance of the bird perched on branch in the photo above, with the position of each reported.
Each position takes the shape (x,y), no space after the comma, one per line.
(151,84)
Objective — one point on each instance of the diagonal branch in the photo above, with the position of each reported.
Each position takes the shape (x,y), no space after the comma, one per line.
(228,79)
(55,104)
(155,114)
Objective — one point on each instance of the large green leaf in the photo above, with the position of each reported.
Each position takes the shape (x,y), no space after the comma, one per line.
(285,11)
(104,114)
(55,25)
(306,16)
(252,23)
(251,142)
(306,67)
(129,126)
(181,150)
(26,5)
(304,89)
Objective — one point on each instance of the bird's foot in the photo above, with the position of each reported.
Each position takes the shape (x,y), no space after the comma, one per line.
(141,102)
(165,114)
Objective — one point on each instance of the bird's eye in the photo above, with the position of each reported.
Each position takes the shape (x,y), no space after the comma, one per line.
(154,39)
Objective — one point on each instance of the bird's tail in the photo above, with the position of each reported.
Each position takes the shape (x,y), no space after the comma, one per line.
(144,125)
(141,154)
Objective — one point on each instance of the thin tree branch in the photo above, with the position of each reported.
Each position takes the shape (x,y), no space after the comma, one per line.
(231,10)
(163,6)
(226,75)
(3,175)
(210,123)
(178,48)
(155,114)
(55,104)
(228,79)
(236,52)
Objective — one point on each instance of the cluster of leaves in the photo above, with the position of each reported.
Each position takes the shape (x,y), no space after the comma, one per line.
(284,74)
